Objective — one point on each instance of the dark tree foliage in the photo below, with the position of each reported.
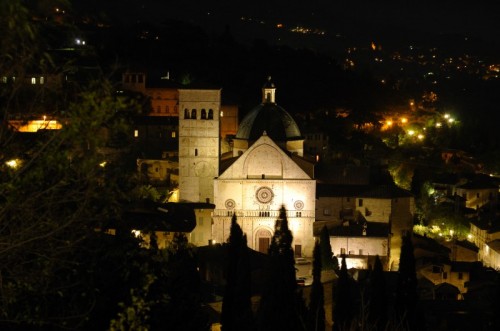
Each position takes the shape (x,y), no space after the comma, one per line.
(167,291)
(377,297)
(183,286)
(342,313)
(236,307)
(406,295)
(280,305)
(327,261)
(58,195)
(316,311)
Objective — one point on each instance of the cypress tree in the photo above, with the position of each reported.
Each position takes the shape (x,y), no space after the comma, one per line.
(326,250)
(185,310)
(342,304)
(236,306)
(377,304)
(406,296)
(280,305)
(316,312)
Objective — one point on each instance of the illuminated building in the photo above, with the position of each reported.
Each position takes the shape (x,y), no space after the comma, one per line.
(199,149)
(267,171)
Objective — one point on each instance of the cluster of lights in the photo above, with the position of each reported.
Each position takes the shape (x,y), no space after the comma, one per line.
(413,133)
(303,30)
(13,164)
(447,119)
(349,63)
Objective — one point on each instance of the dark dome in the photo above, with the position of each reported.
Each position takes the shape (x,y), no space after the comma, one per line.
(278,124)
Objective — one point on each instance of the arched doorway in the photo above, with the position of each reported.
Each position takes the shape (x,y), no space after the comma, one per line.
(262,240)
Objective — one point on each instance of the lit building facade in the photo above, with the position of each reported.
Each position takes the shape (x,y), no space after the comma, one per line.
(267,171)
(199,148)
(255,187)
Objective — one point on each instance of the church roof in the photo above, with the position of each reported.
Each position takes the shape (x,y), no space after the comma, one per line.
(263,153)
(269,117)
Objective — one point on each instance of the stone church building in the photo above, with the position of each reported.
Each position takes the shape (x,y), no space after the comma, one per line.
(266,171)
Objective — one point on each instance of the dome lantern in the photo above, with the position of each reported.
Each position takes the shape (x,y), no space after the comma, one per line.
(269,92)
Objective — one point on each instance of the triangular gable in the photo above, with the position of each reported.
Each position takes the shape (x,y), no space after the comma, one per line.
(264,159)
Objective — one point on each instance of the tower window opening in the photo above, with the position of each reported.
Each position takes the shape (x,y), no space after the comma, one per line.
(193,114)
(210,114)
(203,114)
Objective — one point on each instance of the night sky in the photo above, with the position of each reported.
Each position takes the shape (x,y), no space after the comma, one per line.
(479,18)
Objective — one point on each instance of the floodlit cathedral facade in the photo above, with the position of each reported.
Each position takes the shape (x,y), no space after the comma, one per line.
(254,187)
(267,171)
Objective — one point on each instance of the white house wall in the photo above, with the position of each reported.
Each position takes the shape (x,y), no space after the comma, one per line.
(359,245)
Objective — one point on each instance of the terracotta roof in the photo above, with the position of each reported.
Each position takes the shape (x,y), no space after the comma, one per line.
(478,185)
(459,266)
(354,229)
(495,245)
(467,244)
(333,190)
(168,217)
(387,192)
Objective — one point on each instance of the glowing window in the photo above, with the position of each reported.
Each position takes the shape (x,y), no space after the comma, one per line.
(173,134)
(42,80)
(136,133)
(33,80)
